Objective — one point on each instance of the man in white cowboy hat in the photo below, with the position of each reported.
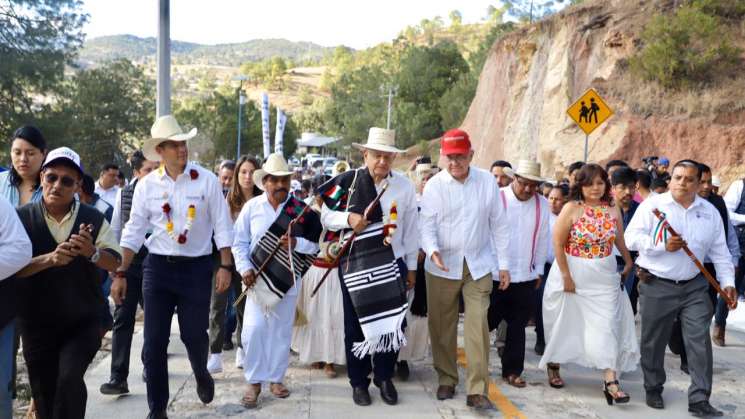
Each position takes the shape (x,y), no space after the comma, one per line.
(182,204)
(345,199)
(528,214)
(266,336)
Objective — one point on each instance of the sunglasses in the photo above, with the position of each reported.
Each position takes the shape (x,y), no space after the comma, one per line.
(66,181)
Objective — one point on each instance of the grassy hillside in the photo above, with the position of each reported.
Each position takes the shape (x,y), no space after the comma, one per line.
(143,50)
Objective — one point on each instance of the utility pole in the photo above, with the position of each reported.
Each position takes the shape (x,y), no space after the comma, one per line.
(163,106)
(391,92)
(241,102)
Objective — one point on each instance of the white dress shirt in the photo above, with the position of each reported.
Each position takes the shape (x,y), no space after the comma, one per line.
(525,246)
(15,246)
(406,238)
(108,195)
(464,221)
(550,256)
(116,217)
(254,220)
(700,225)
(732,200)
(157,188)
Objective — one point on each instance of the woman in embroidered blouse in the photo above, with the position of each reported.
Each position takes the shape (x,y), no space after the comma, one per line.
(584,306)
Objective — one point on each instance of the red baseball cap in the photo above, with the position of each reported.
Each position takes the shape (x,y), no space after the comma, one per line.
(455,141)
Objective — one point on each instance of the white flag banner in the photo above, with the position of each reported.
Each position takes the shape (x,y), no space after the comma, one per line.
(266,135)
(280,132)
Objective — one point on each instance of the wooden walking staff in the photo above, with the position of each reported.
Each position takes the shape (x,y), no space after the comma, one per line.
(274,252)
(348,243)
(714,283)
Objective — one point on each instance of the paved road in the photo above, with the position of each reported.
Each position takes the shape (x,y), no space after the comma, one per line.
(315,396)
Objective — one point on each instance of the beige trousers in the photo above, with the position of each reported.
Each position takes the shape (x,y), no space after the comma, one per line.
(442,312)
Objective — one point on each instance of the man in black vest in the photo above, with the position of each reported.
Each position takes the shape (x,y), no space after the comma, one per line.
(124,314)
(15,253)
(59,311)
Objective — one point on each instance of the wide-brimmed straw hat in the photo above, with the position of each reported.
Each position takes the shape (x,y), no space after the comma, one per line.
(380,139)
(275,165)
(165,128)
(527,169)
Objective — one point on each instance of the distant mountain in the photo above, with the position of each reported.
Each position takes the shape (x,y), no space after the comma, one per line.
(138,49)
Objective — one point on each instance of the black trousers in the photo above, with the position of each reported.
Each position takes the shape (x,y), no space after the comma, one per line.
(514,305)
(124,325)
(540,336)
(57,358)
(218,307)
(381,364)
(167,286)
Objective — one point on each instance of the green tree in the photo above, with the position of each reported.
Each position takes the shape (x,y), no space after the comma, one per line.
(426,74)
(37,39)
(530,10)
(356,103)
(456,18)
(685,49)
(103,111)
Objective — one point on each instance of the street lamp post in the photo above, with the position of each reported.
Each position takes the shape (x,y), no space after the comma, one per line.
(392,91)
(241,101)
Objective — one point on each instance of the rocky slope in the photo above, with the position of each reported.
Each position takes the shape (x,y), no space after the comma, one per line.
(534,74)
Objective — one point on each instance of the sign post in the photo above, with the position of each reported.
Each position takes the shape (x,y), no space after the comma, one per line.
(589,112)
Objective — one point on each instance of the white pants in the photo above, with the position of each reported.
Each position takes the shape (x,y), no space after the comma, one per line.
(266,339)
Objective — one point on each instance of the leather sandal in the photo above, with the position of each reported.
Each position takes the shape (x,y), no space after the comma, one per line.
(554,379)
(279,390)
(250,400)
(329,370)
(515,381)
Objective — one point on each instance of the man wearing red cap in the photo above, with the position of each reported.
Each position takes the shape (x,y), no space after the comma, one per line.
(465,240)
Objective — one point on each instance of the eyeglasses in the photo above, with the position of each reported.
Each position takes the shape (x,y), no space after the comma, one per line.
(65,181)
(457,158)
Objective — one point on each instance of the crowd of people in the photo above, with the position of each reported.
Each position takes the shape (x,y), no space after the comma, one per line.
(369,268)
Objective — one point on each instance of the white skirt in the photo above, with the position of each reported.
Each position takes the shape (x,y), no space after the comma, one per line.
(417,336)
(321,339)
(595,326)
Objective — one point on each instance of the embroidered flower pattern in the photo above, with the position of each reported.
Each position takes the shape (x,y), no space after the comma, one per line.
(593,235)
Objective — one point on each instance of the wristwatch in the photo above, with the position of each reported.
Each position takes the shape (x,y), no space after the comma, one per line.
(228,268)
(94,257)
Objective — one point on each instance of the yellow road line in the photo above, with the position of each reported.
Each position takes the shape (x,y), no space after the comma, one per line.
(509,410)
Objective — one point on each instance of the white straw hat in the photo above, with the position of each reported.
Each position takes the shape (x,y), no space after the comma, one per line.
(275,165)
(380,139)
(527,169)
(165,128)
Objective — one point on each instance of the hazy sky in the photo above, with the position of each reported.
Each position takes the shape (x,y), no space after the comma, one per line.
(355,23)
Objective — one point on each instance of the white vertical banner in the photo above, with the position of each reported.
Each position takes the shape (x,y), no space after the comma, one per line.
(280,132)
(265,132)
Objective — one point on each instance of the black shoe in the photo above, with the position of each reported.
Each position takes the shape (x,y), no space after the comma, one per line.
(684,368)
(654,400)
(539,348)
(157,415)
(228,345)
(114,388)
(387,391)
(206,389)
(703,409)
(361,396)
(402,369)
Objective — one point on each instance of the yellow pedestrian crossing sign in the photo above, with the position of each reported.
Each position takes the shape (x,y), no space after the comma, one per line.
(590,111)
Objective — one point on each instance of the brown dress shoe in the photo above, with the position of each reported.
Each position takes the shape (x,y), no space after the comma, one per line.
(478,401)
(718,336)
(445,392)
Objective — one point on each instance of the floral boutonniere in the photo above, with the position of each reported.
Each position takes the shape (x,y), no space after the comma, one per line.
(194,174)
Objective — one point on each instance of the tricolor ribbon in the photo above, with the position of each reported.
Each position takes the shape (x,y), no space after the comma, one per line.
(660,232)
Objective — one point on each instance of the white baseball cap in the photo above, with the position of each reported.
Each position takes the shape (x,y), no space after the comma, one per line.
(63,153)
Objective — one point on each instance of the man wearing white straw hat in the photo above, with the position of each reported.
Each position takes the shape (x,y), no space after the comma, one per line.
(182,204)
(270,306)
(528,220)
(380,265)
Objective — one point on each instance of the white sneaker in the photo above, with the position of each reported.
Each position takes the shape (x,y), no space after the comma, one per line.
(239,358)
(214,363)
